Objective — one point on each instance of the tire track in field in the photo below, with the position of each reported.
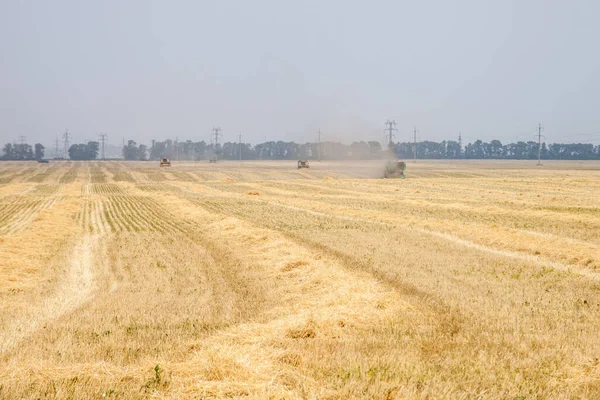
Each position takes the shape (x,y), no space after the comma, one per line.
(75,290)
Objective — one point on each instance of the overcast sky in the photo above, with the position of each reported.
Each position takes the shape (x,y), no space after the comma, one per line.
(284,69)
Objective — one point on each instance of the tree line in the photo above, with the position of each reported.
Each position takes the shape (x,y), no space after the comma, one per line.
(22,151)
(496,150)
(280,150)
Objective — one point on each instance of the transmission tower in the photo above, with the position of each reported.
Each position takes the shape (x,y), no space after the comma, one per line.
(319,148)
(390,127)
(22,139)
(459,144)
(56,148)
(215,136)
(415,145)
(66,138)
(103,141)
(539,135)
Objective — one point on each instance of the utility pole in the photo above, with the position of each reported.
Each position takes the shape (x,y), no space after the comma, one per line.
(240,147)
(539,144)
(415,145)
(56,148)
(103,140)
(459,144)
(390,127)
(216,134)
(177,148)
(66,138)
(319,147)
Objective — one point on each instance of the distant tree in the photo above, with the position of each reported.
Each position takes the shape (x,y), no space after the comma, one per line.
(78,152)
(142,152)
(92,150)
(374,149)
(39,151)
(9,152)
(130,152)
(81,151)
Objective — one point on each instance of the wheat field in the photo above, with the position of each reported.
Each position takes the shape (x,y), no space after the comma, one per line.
(255,280)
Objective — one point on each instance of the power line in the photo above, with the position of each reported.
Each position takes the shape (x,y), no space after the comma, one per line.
(102,141)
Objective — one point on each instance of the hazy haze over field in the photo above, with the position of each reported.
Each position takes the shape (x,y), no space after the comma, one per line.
(281,70)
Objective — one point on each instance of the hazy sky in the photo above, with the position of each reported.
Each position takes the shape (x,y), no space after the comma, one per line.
(284,69)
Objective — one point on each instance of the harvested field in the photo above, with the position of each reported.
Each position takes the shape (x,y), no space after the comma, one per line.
(256,280)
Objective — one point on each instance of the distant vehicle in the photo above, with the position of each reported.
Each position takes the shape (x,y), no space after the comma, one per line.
(165,162)
(213,159)
(43,161)
(394,169)
(303,164)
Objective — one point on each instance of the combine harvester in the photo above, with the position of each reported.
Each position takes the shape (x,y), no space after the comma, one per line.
(303,164)
(394,169)
(165,162)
